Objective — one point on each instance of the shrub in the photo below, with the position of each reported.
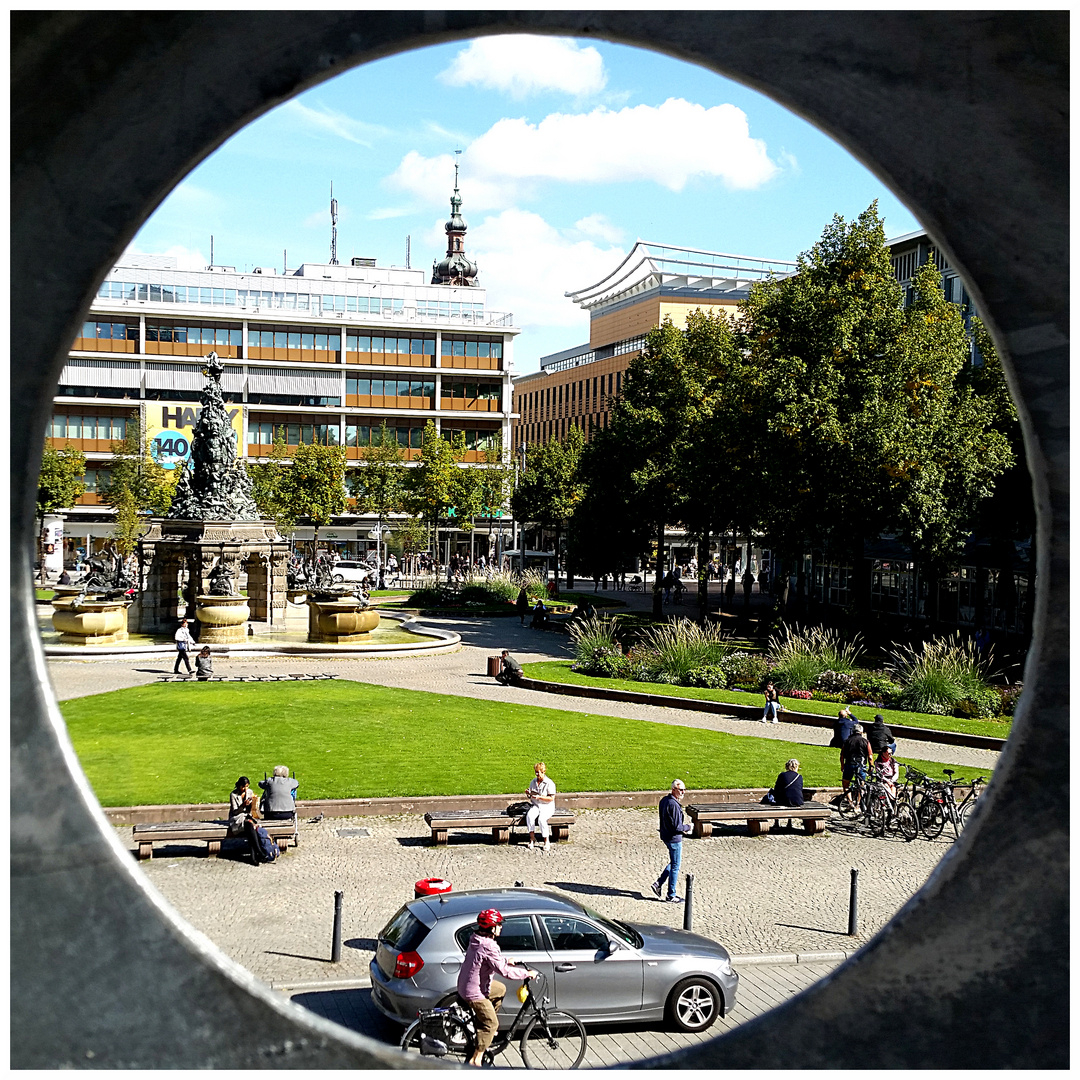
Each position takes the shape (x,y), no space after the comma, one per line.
(802,695)
(595,643)
(833,682)
(873,684)
(710,676)
(426,598)
(825,695)
(939,675)
(605,663)
(744,667)
(801,656)
(535,582)
(1010,696)
(980,705)
(682,646)
(499,588)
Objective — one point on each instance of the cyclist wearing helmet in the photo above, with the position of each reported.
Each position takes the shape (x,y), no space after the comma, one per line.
(475,984)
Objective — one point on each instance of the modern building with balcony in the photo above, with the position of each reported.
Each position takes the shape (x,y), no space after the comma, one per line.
(324,353)
(654,282)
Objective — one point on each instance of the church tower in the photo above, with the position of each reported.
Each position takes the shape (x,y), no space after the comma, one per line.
(455,269)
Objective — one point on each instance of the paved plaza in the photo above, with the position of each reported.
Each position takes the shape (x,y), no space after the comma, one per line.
(771,898)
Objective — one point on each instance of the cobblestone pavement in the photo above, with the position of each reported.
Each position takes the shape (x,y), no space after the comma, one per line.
(463,673)
(761,987)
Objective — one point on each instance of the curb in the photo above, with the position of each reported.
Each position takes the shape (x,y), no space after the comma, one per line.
(750,712)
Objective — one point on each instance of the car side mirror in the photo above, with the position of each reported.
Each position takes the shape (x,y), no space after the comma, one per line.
(613,946)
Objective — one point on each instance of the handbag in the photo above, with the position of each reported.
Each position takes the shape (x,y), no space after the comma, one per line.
(517,809)
(769,798)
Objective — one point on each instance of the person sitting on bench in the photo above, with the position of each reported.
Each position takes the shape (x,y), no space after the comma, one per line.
(788,789)
(539,615)
(511,670)
(279,798)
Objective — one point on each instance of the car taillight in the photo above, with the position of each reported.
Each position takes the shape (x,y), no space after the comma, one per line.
(407,965)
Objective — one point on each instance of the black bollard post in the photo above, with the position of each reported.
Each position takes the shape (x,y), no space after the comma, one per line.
(853,905)
(335,948)
(688,904)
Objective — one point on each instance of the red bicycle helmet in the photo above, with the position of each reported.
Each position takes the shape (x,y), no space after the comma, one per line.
(489,918)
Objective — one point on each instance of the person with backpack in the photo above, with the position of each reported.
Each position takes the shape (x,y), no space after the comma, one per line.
(854,758)
(881,736)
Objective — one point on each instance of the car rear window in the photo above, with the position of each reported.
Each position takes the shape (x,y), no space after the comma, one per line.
(404,931)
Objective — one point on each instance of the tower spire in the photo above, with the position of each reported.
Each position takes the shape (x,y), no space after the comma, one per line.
(455,269)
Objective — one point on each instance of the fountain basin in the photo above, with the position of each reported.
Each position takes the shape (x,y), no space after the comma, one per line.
(93,622)
(223,619)
(337,621)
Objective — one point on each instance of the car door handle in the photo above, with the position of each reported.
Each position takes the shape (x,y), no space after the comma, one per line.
(566,967)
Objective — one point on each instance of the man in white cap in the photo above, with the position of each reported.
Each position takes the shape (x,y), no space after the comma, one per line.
(672,830)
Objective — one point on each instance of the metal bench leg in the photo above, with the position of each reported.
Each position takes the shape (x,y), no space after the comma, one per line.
(146,850)
(213,848)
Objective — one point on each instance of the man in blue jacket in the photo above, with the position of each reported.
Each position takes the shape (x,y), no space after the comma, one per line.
(672,830)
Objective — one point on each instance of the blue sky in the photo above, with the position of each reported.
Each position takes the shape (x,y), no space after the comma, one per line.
(571,151)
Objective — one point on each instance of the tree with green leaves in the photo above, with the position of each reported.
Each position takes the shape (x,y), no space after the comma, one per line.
(435,483)
(315,485)
(60,483)
(137,487)
(551,487)
(495,481)
(379,484)
(269,484)
(873,423)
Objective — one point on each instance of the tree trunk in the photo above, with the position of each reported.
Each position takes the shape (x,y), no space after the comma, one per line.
(558,531)
(658,595)
(703,577)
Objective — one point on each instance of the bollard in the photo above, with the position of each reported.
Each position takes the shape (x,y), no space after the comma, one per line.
(335,948)
(688,904)
(853,905)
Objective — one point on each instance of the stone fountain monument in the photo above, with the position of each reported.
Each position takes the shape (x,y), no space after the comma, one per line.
(95,612)
(189,560)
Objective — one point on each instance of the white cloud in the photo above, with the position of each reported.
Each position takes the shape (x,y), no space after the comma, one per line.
(526,265)
(385,212)
(335,123)
(598,225)
(670,145)
(523,64)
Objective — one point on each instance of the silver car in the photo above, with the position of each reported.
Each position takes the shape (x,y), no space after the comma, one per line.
(599,969)
(349,570)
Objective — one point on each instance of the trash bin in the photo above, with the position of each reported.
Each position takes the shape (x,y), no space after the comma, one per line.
(431,886)
(494,666)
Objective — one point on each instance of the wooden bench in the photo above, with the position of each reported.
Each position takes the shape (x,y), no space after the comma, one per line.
(497,821)
(285,832)
(757,816)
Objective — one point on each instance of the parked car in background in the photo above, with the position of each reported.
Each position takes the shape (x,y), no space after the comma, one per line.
(353,572)
(601,970)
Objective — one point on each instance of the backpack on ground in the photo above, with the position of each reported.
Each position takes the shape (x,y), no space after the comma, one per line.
(265,850)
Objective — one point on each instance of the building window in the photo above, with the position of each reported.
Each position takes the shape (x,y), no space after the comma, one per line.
(88,427)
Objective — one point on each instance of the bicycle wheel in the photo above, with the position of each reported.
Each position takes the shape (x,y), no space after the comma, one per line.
(964,812)
(931,817)
(906,821)
(849,806)
(876,815)
(553,1040)
(439,1036)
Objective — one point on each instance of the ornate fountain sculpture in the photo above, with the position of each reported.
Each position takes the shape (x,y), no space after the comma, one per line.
(95,612)
(336,613)
(212,532)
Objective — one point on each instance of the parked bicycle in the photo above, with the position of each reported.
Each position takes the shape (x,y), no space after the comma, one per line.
(547,1038)
(940,805)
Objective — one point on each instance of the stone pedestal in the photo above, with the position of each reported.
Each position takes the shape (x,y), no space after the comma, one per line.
(336,621)
(93,622)
(222,619)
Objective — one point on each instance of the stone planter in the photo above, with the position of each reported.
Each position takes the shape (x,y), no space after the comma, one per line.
(223,619)
(93,622)
(340,621)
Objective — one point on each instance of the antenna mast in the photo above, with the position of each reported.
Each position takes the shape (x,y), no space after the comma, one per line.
(211,251)
(408,252)
(333,226)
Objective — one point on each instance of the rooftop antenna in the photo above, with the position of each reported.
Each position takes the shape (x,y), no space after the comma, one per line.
(408,251)
(457,155)
(284,261)
(333,226)
(211,251)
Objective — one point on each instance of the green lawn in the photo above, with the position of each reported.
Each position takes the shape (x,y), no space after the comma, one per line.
(559,671)
(43,594)
(187,743)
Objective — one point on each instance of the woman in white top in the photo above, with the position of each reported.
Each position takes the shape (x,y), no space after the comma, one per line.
(542,796)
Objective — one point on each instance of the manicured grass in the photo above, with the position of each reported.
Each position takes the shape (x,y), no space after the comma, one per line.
(43,594)
(559,671)
(596,599)
(187,743)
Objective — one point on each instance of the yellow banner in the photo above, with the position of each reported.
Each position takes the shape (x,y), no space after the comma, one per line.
(170,426)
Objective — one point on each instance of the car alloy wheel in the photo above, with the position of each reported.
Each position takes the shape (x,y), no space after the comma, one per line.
(694,1004)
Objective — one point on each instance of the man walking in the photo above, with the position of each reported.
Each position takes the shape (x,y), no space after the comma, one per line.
(672,830)
(184,641)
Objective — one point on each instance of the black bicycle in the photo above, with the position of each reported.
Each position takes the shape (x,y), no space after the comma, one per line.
(547,1038)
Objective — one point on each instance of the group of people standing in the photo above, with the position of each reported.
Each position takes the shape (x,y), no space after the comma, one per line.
(858,748)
